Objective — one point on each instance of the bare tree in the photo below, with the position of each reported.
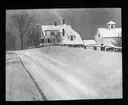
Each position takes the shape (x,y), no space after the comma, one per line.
(30,38)
(33,37)
(22,22)
(57,38)
(10,40)
(118,42)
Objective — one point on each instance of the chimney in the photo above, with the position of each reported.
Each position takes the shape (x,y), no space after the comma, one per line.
(63,31)
(55,23)
(63,22)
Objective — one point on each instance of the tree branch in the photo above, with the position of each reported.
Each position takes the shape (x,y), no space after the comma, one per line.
(30,20)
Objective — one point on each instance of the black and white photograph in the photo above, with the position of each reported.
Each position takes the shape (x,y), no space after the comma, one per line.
(63,54)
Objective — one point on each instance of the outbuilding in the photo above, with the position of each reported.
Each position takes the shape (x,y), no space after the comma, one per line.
(106,36)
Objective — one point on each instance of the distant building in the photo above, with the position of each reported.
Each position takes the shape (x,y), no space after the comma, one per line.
(89,42)
(69,36)
(106,36)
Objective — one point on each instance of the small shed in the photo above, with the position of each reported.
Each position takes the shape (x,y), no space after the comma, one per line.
(89,42)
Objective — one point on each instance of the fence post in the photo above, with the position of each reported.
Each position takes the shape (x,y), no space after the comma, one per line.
(102,47)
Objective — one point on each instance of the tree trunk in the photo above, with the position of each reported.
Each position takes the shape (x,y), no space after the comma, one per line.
(21,35)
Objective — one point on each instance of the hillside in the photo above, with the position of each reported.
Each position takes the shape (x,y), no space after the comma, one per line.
(19,85)
(68,73)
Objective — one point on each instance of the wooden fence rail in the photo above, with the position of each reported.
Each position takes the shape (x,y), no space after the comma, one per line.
(92,47)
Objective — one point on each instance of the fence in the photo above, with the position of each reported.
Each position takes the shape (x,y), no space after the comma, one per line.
(91,47)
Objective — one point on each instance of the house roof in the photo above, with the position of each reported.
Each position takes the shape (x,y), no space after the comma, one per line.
(89,42)
(104,32)
(111,22)
(53,27)
(110,45)
(68,31)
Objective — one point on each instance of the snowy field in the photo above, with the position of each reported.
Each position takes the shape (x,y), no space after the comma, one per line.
(19,86)
(75,73)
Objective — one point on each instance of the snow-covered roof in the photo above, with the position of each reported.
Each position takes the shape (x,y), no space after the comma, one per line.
(104,32)
(111,22)
(68,31)
(89,42)
(53,27)
(110,45)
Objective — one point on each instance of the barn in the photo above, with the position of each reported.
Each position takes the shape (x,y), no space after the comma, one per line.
(69,36)
(106,36)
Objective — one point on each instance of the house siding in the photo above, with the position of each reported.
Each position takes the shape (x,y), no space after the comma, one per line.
(104,40)
(98,39)
(107,41)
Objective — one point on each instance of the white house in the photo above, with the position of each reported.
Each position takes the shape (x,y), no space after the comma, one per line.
(106,36)
(69,36)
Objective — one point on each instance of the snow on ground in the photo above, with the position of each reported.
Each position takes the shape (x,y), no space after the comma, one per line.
(75,73)
(19,85)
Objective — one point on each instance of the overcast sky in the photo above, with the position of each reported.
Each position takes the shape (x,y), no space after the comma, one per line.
(84,21)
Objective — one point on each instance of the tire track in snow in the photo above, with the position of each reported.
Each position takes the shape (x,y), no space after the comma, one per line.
(56,87)
(38,88)
(61,86)
(73,81)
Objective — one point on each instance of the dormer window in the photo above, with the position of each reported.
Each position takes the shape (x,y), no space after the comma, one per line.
(71,37)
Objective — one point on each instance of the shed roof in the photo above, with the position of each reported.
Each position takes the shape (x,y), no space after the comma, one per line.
(110,45)
(89,42)
(111,22)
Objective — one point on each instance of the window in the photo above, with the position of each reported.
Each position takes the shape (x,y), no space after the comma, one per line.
(112,27)
(53,33)
(42,40)
(48,40)
(71,37)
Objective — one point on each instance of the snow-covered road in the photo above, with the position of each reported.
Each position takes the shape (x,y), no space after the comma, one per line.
(60,81)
